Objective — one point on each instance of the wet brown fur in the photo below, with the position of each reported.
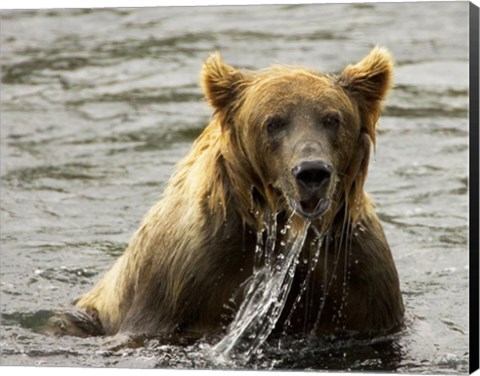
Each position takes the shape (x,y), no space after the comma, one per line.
(195,246)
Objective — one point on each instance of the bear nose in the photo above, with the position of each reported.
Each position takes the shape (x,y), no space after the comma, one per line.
(312,174)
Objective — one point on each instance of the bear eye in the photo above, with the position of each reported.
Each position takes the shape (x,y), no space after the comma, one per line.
(332,121)
(275,124)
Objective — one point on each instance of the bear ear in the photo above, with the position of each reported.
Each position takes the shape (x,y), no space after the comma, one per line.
(220,82)
(369,82)
(371,78)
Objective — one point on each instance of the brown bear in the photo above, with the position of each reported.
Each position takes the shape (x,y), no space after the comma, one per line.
(286,144)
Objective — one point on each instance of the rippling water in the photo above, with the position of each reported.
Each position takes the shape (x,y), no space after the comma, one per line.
(98,106)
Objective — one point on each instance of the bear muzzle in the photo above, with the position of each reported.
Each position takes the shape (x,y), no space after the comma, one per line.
(312,178)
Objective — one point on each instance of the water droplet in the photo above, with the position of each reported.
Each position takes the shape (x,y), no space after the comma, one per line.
(282,243)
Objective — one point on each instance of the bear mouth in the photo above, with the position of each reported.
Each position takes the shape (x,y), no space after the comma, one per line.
(311,208)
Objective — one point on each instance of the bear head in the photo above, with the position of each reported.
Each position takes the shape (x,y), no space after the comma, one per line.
(300,139)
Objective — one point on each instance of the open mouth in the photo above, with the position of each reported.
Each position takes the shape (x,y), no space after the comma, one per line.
(312,208)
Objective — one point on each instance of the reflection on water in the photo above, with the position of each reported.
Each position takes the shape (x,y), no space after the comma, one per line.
(98,106)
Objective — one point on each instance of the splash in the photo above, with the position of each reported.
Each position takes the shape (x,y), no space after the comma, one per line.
(265,293)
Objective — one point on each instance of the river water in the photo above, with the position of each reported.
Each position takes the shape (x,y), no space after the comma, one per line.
(99,105)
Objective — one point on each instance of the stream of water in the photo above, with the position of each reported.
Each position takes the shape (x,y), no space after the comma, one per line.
(265,295)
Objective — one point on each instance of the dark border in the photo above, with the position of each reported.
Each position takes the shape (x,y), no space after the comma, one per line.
(474,189)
